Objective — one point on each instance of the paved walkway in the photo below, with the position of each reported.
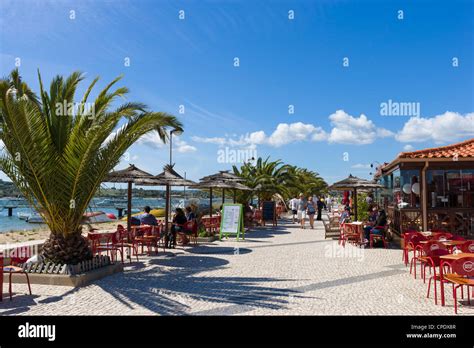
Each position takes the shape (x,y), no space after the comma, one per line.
(275,271)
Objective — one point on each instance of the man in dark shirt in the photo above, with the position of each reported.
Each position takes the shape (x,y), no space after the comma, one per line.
(146,218)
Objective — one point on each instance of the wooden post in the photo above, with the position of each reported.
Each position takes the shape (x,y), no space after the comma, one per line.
(424,198)
(223,196)
(355,204)
(167,207)
(210,201)
(129,206)
(235,195)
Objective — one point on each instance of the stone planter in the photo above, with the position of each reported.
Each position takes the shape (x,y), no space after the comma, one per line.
(74,280)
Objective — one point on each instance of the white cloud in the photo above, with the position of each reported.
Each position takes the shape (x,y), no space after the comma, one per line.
(288,133)
(360,166)
(348,129)
(215,140)
(408,148)
(442,128)
(181,146)
(153,140)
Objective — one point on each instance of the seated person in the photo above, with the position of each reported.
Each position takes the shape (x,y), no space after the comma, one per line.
(146,218)
(345,216)
(179,218)
(248,213)
(190,215)
(381,221)
(373,214)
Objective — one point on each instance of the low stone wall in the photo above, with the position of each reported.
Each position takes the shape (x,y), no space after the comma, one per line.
(76,280)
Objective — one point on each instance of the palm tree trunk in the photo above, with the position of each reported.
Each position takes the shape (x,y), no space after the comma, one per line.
(66,250)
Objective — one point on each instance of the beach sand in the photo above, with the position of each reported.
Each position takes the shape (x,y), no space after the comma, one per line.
(43,233)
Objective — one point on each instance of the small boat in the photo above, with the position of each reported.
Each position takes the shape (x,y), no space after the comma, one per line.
(97,217)
(35,219)
(23,216)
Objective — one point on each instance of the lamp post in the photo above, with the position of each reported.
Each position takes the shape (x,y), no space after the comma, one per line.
(171,146)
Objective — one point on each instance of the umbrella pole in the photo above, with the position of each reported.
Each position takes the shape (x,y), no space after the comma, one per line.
(355,204)
(223,196)
(129,206)
(235,194)
(210,202)
(167,206)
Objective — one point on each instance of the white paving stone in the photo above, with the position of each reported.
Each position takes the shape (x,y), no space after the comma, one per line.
(275,271)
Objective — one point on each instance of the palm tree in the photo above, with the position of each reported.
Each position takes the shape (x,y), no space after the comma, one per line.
(58,156)
(271,177)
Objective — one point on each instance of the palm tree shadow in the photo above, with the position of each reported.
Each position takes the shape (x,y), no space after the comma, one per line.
(169,286)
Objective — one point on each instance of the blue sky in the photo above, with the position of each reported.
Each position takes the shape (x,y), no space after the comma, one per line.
(299,62)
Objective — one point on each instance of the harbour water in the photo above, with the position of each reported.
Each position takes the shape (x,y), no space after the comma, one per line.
(107,205)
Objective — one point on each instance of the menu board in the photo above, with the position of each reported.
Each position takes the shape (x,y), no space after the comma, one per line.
(232,220)
(269,212)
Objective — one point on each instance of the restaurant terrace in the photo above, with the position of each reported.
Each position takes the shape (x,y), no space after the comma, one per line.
(430,189)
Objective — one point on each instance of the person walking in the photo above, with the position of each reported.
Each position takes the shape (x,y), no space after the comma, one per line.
(329,203)
(302,210)
(311,210)
(320,205)
(294,208)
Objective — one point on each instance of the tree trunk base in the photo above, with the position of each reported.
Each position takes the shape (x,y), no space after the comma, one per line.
(70,250)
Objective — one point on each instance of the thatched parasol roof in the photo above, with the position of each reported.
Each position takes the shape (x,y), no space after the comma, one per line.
(130,174)
(168,177)
(219,184)
(223,175)
(353,182)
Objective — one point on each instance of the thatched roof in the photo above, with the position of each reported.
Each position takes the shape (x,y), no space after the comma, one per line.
(168,177)
(221,185)
(353,182)
(130,174)
(223,175)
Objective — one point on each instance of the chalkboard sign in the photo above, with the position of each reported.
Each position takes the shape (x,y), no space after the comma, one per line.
(232,220)
(269,212)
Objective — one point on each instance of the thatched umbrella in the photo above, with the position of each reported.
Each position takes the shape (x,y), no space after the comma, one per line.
(219,184)
(169,177)
(227,177)
(352,183)
(129,176)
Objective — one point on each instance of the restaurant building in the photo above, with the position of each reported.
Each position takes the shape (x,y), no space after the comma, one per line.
(430,189)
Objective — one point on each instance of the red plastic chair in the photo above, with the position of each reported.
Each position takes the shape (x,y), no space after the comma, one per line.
(190,229)
(374,236)
(413,244)
(467,247)
(17,256)
(407,236)
(431,258)
(456,237)
(124,241)
(463,275)
(257,216)
(142,236)
(106,242)
(442,236)
(428,254)
(351,234)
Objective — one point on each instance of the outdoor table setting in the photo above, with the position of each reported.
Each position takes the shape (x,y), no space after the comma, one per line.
(450,244)
(446,260)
